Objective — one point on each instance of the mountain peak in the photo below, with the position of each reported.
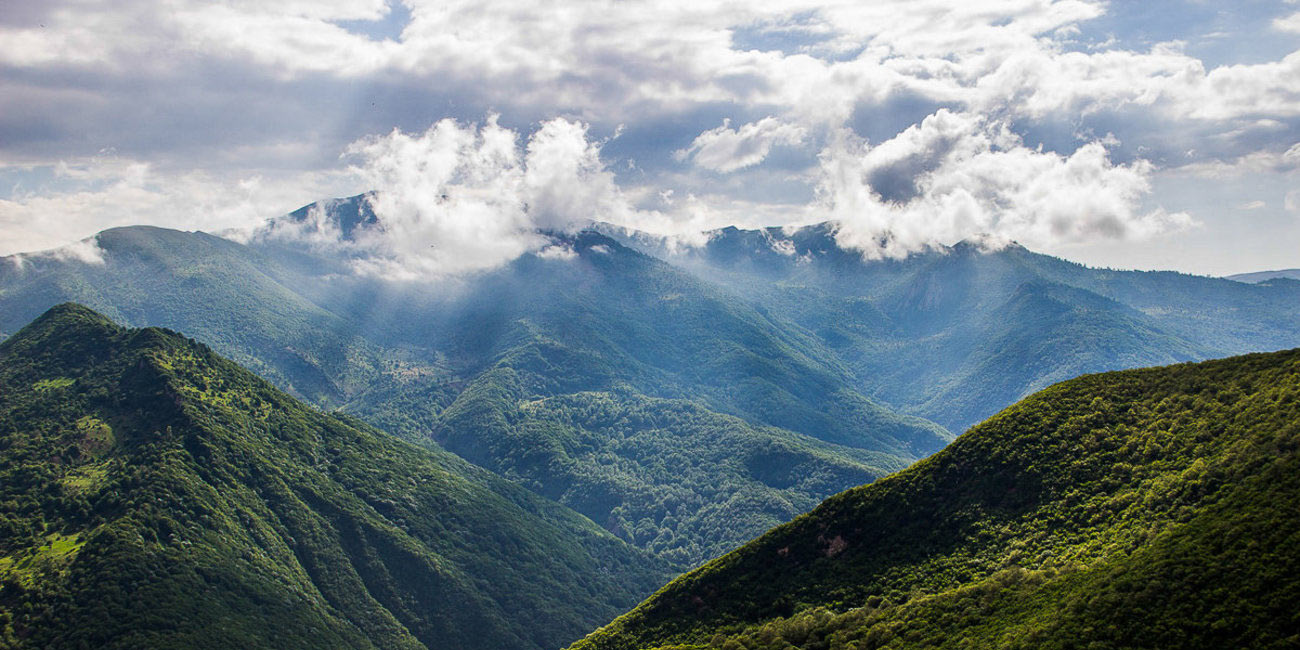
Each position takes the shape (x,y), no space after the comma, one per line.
(66,322)
(145,458)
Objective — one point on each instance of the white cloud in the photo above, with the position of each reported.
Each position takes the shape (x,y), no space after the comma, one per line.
(790,73)
(1290,23)
(958,176)
(565,183)
(86,251)
(1255,162)
(463,198)
(104,192)
(725,149)
(559,252)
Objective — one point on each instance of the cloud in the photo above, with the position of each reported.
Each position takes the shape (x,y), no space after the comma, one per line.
(205,93)
(462,198)
(86,251)
(1255,162)
(725,149)
(973,178)
(85,197)
(1289,23)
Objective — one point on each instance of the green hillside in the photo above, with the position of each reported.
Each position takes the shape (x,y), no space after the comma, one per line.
(155,495)
(1139,509)
(228,295)
(463,363)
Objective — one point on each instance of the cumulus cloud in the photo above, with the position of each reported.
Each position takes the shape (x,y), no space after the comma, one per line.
(238,87)
(462,198)
(725,149)
(958,176)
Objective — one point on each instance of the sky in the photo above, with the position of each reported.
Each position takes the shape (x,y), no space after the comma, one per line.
(1157,135)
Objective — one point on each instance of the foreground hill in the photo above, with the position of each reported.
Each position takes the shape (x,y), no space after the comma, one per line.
(1146,509)
(156,495)
(955,334)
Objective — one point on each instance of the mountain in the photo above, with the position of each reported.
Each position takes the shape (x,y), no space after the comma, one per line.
(1265,276)
(575,375)
(229,295)
(157,495)
(1146,508)
(954,334)
(644,359)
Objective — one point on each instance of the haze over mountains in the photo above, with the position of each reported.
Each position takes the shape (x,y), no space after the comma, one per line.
(1265,276)
(685,399)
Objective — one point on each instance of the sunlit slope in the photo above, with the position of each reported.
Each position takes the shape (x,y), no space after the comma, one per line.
(1148,508)
(157,495)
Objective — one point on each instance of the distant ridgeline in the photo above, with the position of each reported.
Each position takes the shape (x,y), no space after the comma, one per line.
(1154,508)
(684,399)
(155,495)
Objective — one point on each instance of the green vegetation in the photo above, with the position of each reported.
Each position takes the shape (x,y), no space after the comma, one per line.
(821,352)
(1138,509)
(957,334)
(613,330)
(669,476)
(163,497)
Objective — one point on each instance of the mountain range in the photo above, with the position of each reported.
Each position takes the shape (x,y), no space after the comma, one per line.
(685,399)
(1265,276)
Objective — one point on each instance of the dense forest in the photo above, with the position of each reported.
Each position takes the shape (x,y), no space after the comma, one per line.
(156,495)
(1139,509)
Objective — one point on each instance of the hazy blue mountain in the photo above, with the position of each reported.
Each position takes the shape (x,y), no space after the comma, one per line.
(1264,276)
(954,334)
(156,495)
(229,295)
(575,377)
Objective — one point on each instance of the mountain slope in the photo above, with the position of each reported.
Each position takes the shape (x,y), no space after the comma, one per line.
(653,371)
(460,362)
(1148,508)
(229,295)
(1264,276)
(157,495)
(944,334)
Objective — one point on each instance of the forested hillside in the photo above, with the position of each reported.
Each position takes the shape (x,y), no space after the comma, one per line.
(760,340)
(1147,508)
(955,334)
(464,363)
(156,495)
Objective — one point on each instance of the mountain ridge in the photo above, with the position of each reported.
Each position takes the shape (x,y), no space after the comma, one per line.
(1115,509)
(245,519)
